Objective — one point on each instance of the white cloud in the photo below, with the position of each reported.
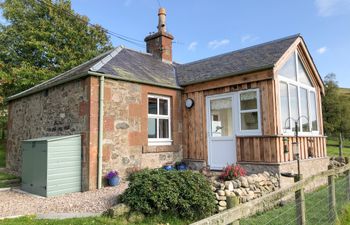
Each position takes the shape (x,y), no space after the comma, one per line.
(248,38)
(322,50)
(331,7)
(192,46)
(218,43)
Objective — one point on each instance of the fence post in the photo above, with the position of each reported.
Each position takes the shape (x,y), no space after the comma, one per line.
(300,202)
(331,197)
(347,177)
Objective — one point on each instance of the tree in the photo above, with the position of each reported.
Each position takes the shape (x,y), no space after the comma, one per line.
(41,39)
(336,111)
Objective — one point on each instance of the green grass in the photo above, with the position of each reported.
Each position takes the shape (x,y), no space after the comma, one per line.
(96,221)
(333,150)
(344,217)
(2,155)
(316,204)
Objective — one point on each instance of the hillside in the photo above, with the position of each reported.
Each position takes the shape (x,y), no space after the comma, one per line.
(346,93)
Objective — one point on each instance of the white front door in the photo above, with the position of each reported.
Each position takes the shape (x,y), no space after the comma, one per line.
(220,126)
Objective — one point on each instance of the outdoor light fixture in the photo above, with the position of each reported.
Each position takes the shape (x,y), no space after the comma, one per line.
(295,147)
(189,103)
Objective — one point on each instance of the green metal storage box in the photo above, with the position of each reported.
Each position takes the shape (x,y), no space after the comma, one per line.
(52,165)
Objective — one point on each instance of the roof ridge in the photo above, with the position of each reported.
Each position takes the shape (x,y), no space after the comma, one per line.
(106,59)
(137,51)
(242,49)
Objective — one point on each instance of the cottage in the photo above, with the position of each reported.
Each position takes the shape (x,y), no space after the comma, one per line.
(138,110)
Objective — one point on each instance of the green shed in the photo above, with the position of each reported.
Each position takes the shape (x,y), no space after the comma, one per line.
(52,165)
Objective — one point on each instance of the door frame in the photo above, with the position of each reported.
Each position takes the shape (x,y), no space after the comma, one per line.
(208,120)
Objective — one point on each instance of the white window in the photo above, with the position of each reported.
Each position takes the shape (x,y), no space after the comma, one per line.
(249,112)
(159,127)
(297,97)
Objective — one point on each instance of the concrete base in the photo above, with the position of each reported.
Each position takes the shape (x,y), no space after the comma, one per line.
(308,167)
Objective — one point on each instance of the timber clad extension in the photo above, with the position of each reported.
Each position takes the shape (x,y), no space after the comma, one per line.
(237,107)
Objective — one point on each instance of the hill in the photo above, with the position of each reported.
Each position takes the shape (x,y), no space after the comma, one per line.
(345,92)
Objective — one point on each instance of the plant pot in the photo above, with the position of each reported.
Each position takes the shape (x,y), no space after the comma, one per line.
(114,181)
(168,167)
(181,167)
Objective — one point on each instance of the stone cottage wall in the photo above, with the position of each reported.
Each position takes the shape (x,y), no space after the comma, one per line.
(61,110)
(125,142)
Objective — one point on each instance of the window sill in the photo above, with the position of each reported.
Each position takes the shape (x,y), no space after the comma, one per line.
(160,142)
(249,133)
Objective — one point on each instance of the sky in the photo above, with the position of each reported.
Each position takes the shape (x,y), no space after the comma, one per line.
(204,28)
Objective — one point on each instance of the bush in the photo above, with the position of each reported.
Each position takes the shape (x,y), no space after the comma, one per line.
(184,193)
(232,171)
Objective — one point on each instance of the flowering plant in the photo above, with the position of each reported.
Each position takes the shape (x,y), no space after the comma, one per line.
(232,171)
(111,174)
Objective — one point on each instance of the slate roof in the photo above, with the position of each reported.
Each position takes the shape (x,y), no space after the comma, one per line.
(126,64)
(120,63)
(258,57)
(137,66)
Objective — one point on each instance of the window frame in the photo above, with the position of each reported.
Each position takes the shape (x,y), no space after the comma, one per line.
(239,112)
(159,141)
(309,89)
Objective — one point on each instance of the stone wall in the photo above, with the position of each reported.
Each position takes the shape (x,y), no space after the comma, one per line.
(308,167)
(244,188)
(58,111)
(125,142)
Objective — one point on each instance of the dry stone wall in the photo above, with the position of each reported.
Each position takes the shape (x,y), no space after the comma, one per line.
(244,188)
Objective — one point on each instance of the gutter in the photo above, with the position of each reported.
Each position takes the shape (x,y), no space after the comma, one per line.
(100,131)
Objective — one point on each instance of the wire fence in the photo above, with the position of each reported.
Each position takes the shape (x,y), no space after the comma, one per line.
(320,206)
(316,208)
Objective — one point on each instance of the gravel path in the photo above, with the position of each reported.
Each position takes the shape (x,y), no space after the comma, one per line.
(14,203)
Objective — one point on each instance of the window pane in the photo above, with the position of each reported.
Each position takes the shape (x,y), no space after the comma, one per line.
(221,117)
(152,128)
(304,119)
(313,115)
(288,70)
(302,75)
(152,106)
(284,105)
(294,108)
(163,128)
(248,100)
(249,121)
(163,107)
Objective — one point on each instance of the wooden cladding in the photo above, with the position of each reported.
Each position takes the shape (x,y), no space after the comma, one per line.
(270,149)
(194,119)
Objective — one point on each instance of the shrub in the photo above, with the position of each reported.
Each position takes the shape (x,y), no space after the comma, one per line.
(184,193)
(232,171)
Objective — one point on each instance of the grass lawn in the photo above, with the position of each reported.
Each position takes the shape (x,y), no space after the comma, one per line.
(96,221)
(316,204)
(344,217)
(2,155)
(333,150)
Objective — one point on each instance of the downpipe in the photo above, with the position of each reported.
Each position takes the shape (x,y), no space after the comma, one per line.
(100,131)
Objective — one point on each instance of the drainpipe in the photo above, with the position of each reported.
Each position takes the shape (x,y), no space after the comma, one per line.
(100,131)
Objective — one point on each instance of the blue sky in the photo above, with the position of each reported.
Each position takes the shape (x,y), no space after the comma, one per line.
(204,28)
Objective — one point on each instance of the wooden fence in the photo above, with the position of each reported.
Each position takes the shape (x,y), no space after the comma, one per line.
(270,200)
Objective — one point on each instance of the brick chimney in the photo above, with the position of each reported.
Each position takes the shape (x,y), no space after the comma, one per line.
(160,44)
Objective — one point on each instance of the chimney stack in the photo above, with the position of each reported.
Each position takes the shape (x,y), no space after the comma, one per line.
(159,44)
